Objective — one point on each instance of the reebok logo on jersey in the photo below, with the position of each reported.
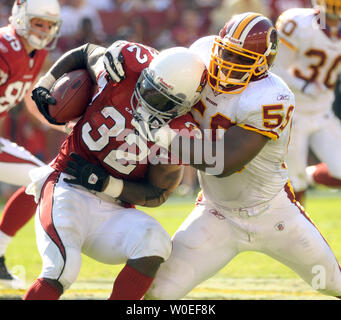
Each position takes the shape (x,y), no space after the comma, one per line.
(282,97)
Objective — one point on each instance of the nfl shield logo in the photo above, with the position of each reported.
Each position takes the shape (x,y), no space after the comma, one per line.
(93,179)
(279,226)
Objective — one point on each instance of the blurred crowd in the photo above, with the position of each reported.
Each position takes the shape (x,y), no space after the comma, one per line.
(158,23)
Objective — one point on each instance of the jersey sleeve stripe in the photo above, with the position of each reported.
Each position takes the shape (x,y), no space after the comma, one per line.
(288,44)
(270,134)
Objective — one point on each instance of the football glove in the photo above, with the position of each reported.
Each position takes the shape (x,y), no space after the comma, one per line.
(42,98)
(113,61)
(88,175)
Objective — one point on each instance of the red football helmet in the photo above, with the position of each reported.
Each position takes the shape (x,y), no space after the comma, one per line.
(244,50)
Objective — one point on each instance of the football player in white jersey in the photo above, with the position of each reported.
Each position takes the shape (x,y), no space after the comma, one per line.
(249,205)
(309,61)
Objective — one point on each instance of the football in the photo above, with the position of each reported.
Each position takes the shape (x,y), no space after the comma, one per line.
(73,92)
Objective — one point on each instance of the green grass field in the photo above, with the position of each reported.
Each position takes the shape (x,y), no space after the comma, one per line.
(249,276)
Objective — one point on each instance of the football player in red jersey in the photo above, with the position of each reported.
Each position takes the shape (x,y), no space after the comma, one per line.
(104,167)
(34,27)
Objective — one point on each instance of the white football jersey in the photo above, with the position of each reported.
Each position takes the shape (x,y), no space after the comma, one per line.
(314,57)
(266,106)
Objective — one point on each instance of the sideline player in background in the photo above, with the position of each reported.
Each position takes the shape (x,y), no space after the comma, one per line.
(249,205)
(309,60)
(34,27)
(101,222)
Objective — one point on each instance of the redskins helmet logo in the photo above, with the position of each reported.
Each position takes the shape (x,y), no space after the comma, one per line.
(272,40)
(203,81)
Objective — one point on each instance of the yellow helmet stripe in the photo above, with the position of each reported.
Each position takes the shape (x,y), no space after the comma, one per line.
(242,25)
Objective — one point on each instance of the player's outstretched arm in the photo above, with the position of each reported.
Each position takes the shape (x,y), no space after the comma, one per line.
(228,155)
(221,157)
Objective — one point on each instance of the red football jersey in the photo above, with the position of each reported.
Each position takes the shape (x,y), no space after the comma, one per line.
(18,70)
(105,135)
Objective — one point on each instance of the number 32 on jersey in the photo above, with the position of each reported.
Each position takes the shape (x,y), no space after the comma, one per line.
(121,159)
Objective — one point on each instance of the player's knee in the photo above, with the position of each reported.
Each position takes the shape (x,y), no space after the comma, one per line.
(64,270)
(153,241)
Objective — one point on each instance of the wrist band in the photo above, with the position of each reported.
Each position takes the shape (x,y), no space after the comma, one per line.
(46,81)
(114,187)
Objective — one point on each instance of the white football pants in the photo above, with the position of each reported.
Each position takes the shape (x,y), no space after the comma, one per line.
(71,220)
(211,237)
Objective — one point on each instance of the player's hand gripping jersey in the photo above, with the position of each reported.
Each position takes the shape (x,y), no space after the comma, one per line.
(17,70)
(105,135)
(310,61)
(265,106)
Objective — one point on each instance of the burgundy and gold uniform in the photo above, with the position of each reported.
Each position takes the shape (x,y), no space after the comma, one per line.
(253,209)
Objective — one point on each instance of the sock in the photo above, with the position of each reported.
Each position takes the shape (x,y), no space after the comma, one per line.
(321,175)
(18,210)
(42,290)
(130,284)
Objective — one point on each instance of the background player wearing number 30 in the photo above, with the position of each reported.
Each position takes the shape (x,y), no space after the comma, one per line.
(34,27)
(309,61)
